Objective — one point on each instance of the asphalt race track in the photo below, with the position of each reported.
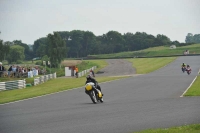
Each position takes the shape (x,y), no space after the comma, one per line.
(132,104)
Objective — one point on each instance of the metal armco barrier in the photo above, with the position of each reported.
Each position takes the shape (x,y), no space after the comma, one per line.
(18,84)
(42,79)
(10,85)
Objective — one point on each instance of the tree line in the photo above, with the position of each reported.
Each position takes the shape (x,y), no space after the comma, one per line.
(190,38)
(83,43)
(76,44)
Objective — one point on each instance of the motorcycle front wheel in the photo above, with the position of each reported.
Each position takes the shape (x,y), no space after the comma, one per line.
(93,97)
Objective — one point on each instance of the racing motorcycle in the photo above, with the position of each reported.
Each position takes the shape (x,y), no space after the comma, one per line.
(95,94)
(183,69)
(189,71)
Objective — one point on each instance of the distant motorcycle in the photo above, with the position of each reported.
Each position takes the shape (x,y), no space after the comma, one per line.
(95,94)
(188,71)
(183,69)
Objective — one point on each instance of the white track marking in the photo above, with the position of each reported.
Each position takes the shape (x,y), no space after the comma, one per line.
(52,93)
(189,85)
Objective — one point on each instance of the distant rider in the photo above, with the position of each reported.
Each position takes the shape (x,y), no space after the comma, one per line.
(183,65)
(92,73)
(188,68)
(90,79)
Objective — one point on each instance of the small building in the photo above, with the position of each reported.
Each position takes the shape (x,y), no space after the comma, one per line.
(70,71)
(172,47)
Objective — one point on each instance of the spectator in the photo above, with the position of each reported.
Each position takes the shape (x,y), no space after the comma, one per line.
(92,73)
(9,70)
(14,70)
(23,70)
(29,69)
(2,69)
(76,69)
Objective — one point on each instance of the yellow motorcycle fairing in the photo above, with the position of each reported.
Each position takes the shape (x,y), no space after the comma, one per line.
(100,94)
(88,87)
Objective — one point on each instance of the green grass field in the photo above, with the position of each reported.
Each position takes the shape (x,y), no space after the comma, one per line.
(194,90)
(155,51)
(142,65)
(194,128)
(51,86)
(146,65)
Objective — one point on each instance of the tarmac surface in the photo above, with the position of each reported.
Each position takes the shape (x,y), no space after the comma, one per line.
(132,104)
(117,67)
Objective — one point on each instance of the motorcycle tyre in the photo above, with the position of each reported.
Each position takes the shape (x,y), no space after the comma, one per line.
(93,97)
(183,70)
(101,100)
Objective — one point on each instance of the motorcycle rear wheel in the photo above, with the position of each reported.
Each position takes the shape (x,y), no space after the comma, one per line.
(101,100)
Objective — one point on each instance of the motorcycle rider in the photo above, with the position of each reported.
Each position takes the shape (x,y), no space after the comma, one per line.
(183,65)
(188,68)
(90,79)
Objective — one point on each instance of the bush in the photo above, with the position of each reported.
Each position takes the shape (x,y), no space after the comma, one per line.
(19,62)
(38,63)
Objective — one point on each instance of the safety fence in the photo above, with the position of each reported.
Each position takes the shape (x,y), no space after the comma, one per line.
(9,85)
(19,84)
(42,79)
(80,74)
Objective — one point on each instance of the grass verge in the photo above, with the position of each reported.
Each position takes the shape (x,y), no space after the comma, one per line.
(194,128)
(154,51)
(52,86)
(147,65)
(194,89)
(100,64)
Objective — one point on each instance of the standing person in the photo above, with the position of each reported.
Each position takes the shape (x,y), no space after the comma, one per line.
(2,69)
(14,70)
(76,69)
(92,73)
(9,70)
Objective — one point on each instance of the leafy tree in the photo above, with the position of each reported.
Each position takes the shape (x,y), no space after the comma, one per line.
(16,53)
(8,43)
(129,42)
(41,50)
(46,59)
(57,49)
(82,43)
(115,41)
(162,40)
(4,50)
(28,53)
(36,46)
(196,38)
(189,38)
(2,53)
(89,43)
(75,43)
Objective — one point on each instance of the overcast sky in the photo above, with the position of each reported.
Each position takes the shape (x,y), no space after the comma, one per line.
(29,20)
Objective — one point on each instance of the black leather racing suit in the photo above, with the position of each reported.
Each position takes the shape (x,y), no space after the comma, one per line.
(95,83)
